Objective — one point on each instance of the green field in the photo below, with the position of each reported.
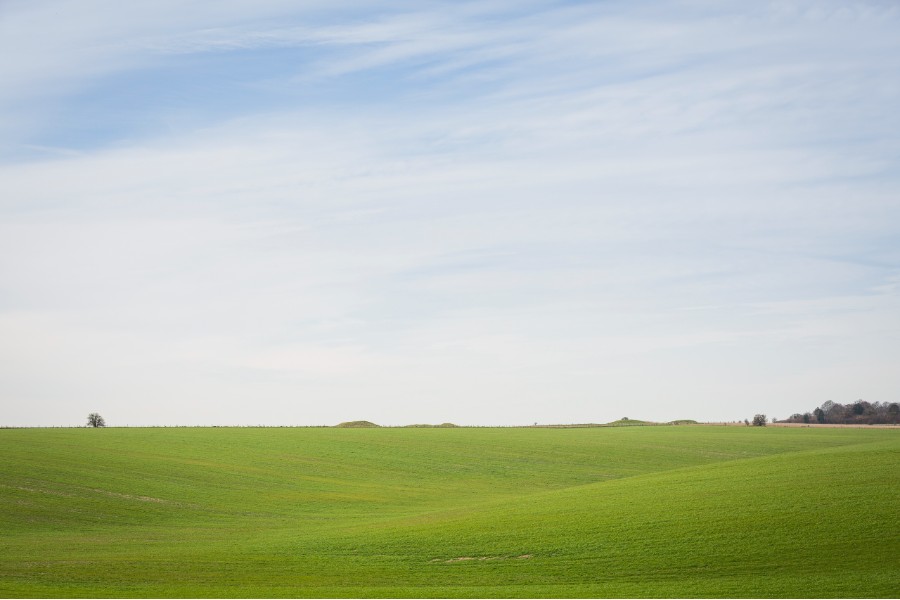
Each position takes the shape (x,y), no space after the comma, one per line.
(671,511)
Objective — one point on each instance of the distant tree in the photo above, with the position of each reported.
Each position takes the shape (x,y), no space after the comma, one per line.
(746,422)
(759,420)
(95,420)
(860,412)
(835,412)
(893,412)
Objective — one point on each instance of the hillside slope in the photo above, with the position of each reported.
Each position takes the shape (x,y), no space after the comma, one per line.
(687,511)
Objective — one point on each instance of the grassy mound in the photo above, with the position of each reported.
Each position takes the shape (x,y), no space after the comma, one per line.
(475,512)
(629,423)
(354,424)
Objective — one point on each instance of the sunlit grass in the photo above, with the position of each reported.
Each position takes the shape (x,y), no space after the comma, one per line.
(629,511)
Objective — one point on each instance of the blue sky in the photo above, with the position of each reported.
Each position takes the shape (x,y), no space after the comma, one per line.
(274,212)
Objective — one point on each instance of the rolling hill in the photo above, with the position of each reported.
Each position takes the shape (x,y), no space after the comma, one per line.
(450,512)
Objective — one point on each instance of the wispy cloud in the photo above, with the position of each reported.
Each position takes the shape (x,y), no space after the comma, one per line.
(478,212)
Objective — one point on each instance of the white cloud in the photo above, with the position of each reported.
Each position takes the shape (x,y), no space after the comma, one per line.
(518,235)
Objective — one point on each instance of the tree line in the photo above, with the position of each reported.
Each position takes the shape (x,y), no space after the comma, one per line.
(859,413)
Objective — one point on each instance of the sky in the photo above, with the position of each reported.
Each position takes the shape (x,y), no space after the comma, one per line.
(501,212)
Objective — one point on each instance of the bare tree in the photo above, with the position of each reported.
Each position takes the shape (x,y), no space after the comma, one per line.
(759,420)
(95,420)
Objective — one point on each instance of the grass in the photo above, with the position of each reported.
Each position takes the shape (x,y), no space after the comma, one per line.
(629,423)
(357,424)
(450,512)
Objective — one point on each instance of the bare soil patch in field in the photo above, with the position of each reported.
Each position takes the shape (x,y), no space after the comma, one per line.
(127,496)
(468,558)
